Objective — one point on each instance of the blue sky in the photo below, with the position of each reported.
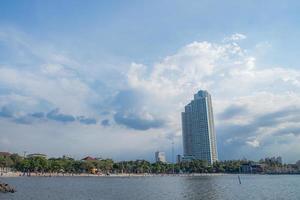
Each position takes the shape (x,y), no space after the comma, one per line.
(110,78)
(146,31)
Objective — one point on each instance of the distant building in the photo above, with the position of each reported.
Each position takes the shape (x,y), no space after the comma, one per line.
(88,158)
(160,156)
(252,167)
(187,158)
(274,160)
(36,155)
(298,164)
(5,154)
(178,159)
(67,157)
(246,168)
(198,131)
(279,159)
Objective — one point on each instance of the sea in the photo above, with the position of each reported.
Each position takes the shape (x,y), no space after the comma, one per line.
(219,187)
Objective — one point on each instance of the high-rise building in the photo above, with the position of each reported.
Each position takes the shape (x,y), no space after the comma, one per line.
(198,131)
(178,159)
(160,156)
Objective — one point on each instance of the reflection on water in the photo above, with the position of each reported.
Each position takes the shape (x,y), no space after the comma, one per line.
(195,187)
(152,188)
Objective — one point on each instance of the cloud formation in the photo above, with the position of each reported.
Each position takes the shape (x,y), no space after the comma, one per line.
(131,109)
(55,115)
(256,108)
(87,121)
(6,112)
(105,122)
(232,111)
(251,103)
(235,37)
(137,122)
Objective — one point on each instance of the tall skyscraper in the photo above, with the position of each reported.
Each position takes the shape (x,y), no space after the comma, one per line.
(160,156)
(198,131)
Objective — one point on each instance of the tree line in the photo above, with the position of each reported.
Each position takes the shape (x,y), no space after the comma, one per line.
(107,166)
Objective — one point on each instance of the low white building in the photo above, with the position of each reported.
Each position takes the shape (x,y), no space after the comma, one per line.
(160,156)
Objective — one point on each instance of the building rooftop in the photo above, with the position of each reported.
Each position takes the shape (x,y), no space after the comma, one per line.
(5,154)
(88,158)
(36,155)
(201,94)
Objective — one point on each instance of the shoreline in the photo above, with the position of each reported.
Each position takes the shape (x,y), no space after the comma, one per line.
(49,175)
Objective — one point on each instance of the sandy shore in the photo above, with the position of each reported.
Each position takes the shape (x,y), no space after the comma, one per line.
(20,174)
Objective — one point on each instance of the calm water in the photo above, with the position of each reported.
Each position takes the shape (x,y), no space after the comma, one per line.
(153,188)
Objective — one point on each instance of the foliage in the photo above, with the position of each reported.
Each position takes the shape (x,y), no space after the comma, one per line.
(106,166)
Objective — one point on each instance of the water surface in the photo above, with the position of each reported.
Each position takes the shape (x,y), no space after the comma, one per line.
(154,188)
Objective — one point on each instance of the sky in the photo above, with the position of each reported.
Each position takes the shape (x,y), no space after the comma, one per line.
(111,78)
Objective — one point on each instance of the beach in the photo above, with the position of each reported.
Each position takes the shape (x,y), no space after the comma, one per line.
(21,174)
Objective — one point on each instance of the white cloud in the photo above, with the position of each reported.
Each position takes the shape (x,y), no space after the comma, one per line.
(253,143)
(56,139)
(235,37)
(230,74)
(68,93)
(225,69)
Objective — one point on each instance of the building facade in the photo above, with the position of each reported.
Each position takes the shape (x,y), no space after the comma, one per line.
(160,156)
(178,159)
(34,155)
(198,131)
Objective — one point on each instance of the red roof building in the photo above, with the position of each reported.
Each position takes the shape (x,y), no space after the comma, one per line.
(88,158)
(5,154)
